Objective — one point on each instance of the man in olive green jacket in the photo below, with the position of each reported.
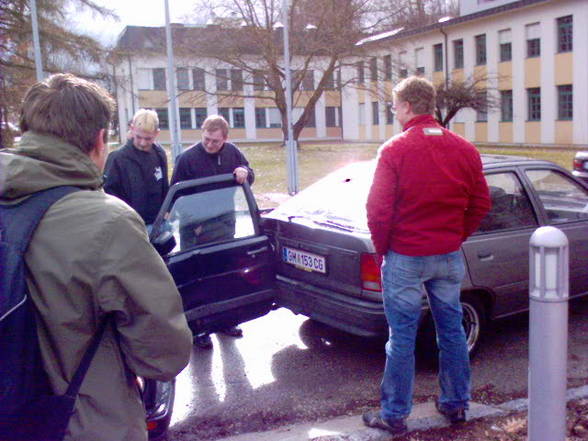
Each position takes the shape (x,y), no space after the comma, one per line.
(89,257)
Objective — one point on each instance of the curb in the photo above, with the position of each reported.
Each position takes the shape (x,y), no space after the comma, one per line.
(350,428)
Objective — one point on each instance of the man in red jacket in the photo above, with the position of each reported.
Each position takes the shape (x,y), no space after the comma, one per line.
(428,195)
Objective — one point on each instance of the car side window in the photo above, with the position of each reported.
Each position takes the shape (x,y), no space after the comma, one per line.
(209,217)
(511,207)
(562,198)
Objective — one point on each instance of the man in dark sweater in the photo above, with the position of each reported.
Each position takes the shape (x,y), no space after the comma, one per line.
(428,195)
(137,172)
(213,156)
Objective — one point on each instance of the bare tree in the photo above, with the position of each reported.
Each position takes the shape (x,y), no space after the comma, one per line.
(247,44)
(461,94)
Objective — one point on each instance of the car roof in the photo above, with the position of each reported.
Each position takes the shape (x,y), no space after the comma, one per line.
(489,160)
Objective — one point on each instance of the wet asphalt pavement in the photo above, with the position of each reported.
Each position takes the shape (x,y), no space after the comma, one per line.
(289,369)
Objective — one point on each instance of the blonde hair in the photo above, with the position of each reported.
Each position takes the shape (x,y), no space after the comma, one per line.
(417,91)
(146,119)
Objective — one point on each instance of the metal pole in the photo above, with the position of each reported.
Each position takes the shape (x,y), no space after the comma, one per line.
(548,334)
(292,164)
(36,43)
(171,91)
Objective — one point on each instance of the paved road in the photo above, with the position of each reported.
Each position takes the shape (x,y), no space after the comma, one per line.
(289,369)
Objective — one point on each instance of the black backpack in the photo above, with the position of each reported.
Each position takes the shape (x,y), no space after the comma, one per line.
(28,408)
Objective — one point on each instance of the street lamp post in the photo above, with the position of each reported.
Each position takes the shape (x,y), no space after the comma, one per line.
(171,90)
(292,161)
(36,43)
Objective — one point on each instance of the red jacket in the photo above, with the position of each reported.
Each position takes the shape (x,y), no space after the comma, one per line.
(429,193)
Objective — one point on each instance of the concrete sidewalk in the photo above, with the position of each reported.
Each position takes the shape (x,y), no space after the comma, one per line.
(350,428)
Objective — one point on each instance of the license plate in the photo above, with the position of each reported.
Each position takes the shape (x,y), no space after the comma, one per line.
(585,165)
(304,260)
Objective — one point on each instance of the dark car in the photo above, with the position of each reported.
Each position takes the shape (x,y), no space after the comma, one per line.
(581,166)
(326,268)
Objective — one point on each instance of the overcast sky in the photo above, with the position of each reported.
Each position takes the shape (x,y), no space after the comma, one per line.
(130,12)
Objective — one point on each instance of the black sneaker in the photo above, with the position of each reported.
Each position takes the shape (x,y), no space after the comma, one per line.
(233,331)
(203,341)
(373,419)
(455,416)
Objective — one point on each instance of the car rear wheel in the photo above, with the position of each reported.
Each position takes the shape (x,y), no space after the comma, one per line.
(474,324)
(474,320)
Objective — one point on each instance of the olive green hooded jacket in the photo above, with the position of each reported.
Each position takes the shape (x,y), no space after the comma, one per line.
(90,256)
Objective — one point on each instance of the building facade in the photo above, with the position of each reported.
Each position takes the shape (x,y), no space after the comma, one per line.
(531,55)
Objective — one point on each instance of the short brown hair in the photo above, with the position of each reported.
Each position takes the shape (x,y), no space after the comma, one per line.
(417,91)
(216,122)
(69,108)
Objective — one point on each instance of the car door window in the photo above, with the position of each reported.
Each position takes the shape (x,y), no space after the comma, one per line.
(562,198)
(511,207)
(209,217)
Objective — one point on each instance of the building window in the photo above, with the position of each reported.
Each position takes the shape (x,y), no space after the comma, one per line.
(534,104)
(361,116)
(308,80)
(198,78)
(533,40)
(403,71)
(144,77)
(275,117)
(330,84)
(225,112)
(373,69)
(419,61)
(258,81)
(504,38)
(375,113)
(389,114)
(565,102)
(159,79)
(222,81)
(260,118)
(185,118)
(458,54)
(387,67)
(183,76)
(506,105)
(360,73)
(163,118)
(238,117)
(438,57)
(482,111)
(201,114)
(480,50)
(565,34)
(236,79)
(333,116)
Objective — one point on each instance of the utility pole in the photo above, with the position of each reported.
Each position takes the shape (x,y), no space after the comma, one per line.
(176,141)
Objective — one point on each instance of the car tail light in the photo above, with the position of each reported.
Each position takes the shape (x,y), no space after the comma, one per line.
(370,273)
(577,164)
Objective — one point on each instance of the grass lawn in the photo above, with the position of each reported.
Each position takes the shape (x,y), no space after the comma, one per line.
(316,160)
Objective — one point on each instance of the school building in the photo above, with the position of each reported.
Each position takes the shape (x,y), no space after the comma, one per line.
(531,54)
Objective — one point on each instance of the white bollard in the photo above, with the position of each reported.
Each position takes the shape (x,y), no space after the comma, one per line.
(548,334)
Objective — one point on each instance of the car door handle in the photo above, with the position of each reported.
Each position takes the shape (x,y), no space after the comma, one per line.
(253,253)
(485,255)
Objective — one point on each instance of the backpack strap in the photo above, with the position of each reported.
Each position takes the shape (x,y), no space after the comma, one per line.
(17,226)
(78,378)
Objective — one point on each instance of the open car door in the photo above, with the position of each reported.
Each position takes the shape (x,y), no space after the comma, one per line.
(209,235)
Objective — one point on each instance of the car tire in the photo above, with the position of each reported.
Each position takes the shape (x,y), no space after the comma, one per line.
(474,320)
(474,323)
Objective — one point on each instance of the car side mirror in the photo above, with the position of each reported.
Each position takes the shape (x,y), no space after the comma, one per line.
(164,242)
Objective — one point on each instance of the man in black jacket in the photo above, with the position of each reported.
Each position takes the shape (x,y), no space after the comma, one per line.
(213,156)
(137,172)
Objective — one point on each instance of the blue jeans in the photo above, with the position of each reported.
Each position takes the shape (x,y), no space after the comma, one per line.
(403,278)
